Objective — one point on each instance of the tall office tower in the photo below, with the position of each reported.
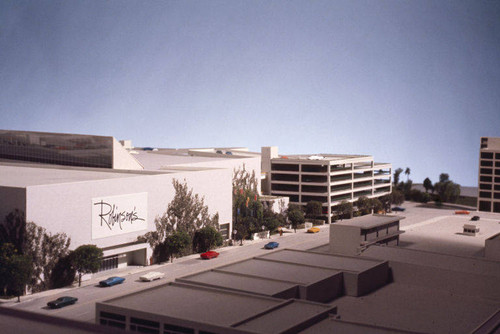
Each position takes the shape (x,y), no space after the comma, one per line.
(489,175)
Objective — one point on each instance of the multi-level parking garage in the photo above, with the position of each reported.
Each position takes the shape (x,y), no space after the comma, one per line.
(326,178)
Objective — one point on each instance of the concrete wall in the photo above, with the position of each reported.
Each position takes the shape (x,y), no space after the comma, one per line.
(344,239)
(67,207)
(323,291)
(122,159)
(11,199)
(492,247)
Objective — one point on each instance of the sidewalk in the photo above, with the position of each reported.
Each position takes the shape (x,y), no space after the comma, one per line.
(130,270)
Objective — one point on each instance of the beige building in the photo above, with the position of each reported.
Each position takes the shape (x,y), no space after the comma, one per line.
(489,175)
(353,236)
(327,178)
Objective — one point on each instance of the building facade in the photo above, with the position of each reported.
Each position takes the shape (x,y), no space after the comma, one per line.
(99,191)
(489,175)
(326,178)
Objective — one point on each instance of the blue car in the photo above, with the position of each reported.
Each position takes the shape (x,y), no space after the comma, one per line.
(397,208)
(112,281)
(271,245)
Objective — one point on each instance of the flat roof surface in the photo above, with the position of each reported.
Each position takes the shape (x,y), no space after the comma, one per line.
(473,265)
(417,308)
(284,317)
(337,262)
(157,160)
(228,280)
(321,157)
(23,176)
(193,303)
(445,234)
(370,221)
(287,272)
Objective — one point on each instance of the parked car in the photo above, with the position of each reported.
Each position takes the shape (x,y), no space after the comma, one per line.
(112,281)
(62,301)
(475,218)
(462,212)
(151,276)
(313,230)
(209,255)
(271,245)
(397,208)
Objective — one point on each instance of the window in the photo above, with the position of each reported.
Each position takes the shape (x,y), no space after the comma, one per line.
(486,163)
(485,179)
(144,326)
(172,329)
(485,186)
(485,194)
(488,171)
(484,206)
(112,320)
(486,155)
(109,263)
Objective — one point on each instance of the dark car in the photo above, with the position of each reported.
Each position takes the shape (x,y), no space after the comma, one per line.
(397,208)
(475,218)
(62,301)
(209,255)
(112,281)
(271,245)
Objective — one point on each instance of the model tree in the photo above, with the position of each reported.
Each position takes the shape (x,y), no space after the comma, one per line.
(313,209)
(15,270)
(344,208)
(428,185)
(86,259)
(295,216)
(206,238)
(175,243)
(397,173)
(186,212)
(364,205)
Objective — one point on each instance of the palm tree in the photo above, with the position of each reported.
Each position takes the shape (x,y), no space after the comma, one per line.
(407,172)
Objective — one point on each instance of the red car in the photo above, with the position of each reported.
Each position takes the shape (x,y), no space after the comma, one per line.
(209,255)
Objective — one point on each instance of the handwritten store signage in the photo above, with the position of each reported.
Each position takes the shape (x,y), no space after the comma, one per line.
(115,215)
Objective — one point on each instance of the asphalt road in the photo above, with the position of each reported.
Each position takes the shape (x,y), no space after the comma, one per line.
(84,309)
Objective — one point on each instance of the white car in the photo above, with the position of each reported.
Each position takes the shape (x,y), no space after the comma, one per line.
(151,276)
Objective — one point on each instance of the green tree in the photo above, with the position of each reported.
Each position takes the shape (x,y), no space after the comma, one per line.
(44,248)
(13,230)
(386,202)
(242,227)
(407,172)
(447,190)
(186,212)
(176,242)
(344,208)
(428,185)
(397,197)
(206,238)
(397,173)
(376,204)
(295,216)
(314,209)
(86,259)
(15,270)
(364,205)
(20,274)
(63,274)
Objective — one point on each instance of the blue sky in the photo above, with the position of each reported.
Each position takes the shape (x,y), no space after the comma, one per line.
(414,83)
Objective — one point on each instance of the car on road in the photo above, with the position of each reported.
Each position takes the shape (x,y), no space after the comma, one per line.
(271,245)
(475,218)
(112,281)
(462,212)
(62,301)
(209,255)
(313,230)
(151,276)
(397,208)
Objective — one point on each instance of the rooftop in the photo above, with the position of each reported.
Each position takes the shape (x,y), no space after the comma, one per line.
(24,175)
(323,157)
(370,221)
